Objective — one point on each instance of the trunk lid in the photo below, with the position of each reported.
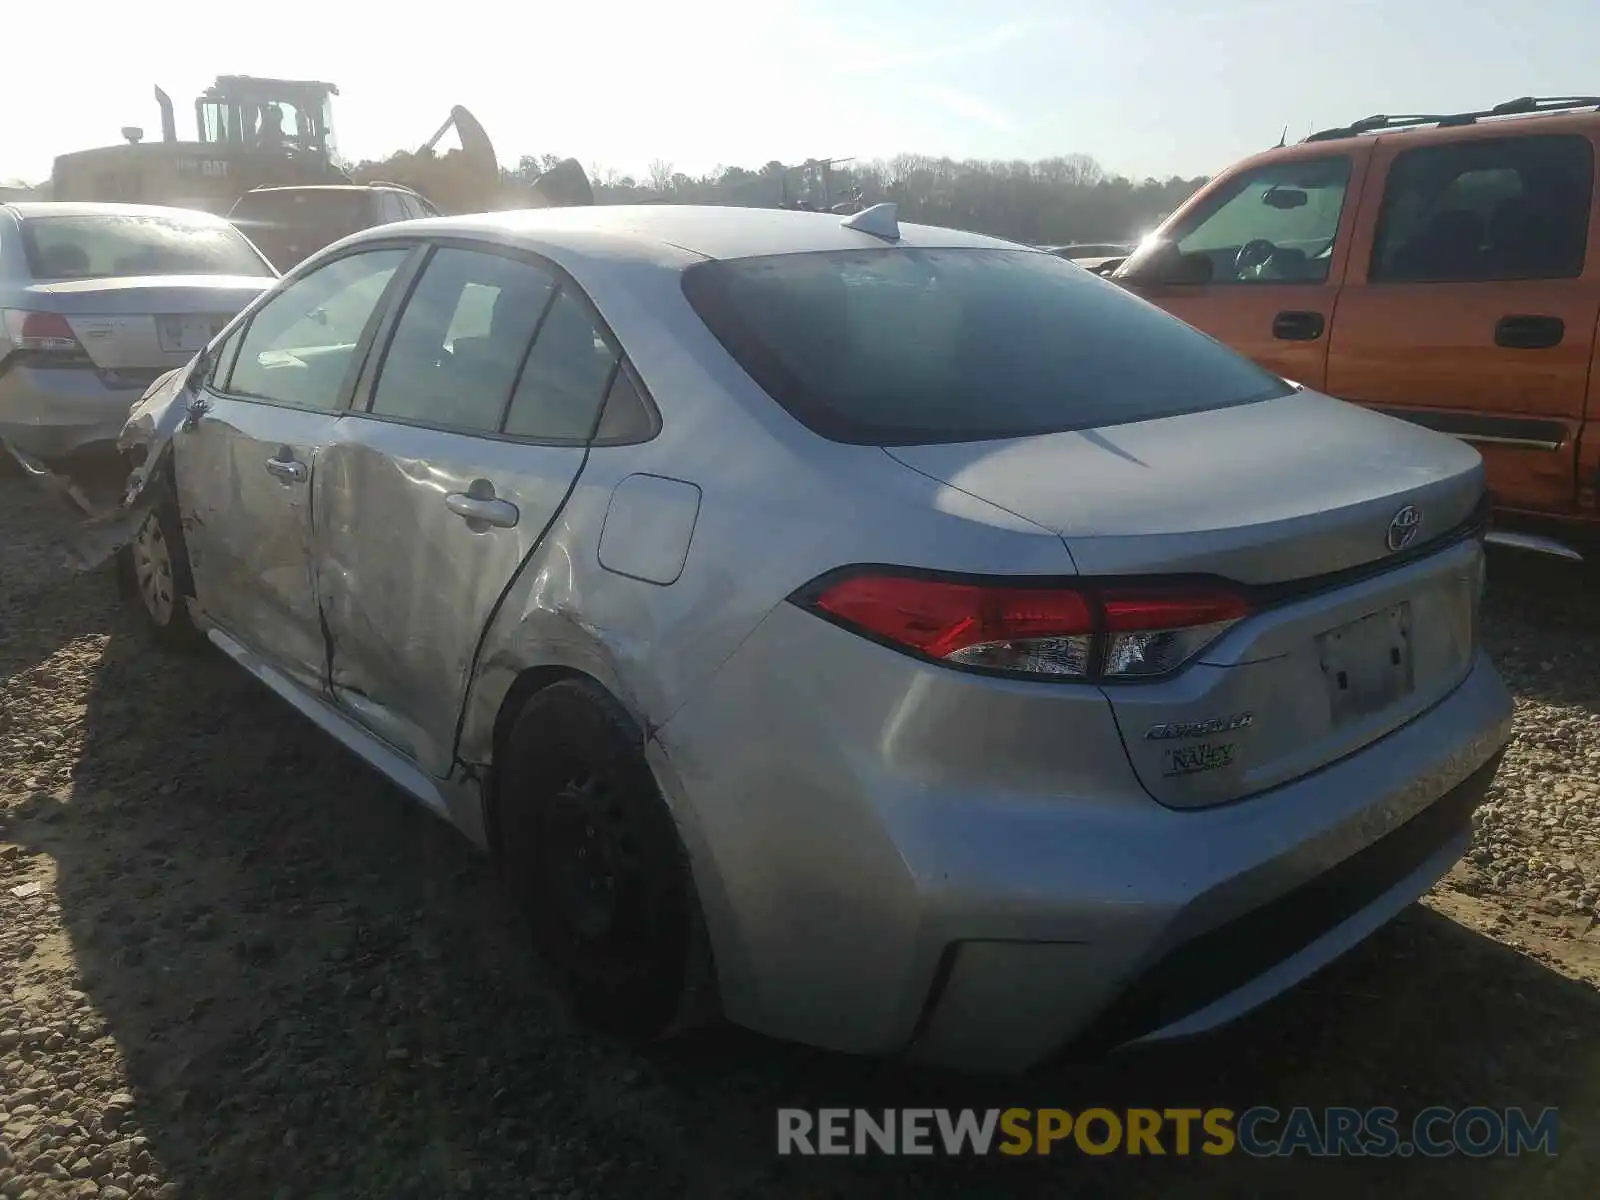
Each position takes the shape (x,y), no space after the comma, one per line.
(146,323)
(1280,490)
(1296,500)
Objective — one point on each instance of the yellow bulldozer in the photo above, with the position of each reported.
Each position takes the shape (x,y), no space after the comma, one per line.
(257,132)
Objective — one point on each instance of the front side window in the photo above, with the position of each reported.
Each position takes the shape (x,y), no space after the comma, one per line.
(900,346)
(1494,208)
(103,247)
(459,343)
(1276,224)
(298,346)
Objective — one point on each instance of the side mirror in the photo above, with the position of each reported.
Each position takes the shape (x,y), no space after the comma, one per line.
(1162,262)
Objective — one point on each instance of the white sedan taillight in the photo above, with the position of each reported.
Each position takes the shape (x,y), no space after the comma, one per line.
(41,333)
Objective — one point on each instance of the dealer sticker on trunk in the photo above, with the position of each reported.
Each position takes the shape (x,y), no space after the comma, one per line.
(1202,756)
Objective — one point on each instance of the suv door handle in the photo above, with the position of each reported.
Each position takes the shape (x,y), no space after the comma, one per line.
(286,468)
(1527,332)
(482,510)
(1298,326)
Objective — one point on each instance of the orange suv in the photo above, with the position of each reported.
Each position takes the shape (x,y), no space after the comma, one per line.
(1441,268)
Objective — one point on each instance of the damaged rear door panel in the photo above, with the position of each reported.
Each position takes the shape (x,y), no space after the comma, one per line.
(464,443)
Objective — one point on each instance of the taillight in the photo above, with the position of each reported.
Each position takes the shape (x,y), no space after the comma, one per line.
(41,333)
(1083,631)
(1155,629)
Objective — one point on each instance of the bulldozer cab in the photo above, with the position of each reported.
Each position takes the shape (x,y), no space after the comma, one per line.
(250,132)
(288,115)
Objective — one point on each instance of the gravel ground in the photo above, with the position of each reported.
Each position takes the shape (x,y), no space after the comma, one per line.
(234,963)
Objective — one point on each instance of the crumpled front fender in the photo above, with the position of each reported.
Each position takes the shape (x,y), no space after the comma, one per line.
(102,510)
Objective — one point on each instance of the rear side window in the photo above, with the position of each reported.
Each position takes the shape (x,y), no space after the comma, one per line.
(98,247)
(459,344)
(390,207)
(1496,208)
(899,346)
(568,373)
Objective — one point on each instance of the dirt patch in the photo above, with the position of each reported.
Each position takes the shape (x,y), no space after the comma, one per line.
(251,968)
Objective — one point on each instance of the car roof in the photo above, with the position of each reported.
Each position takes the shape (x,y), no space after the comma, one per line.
(327,187)
(25,210)
(707,231)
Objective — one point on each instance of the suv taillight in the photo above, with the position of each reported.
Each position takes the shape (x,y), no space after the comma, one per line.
(41,333)
(1081,631)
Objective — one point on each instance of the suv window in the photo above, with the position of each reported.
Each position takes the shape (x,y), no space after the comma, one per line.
(901,346)
(1494,208)
(1275,224)
(298,344)
(290,224)
(390,207)
(457,346)
(568,373)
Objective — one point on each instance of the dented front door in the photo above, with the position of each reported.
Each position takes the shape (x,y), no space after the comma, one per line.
(270,403)
(244,475)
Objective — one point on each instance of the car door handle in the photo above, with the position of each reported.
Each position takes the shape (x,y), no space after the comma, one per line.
(1298,326)
(287,469)
(1527,332)
(486,510)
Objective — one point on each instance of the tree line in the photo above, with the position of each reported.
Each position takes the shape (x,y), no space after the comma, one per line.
(1051,201)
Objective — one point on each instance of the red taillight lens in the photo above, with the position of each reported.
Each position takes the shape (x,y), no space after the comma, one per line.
(1078,631)
(1170,608)
(40,332)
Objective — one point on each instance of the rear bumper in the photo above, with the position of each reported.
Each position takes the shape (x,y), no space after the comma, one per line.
(864,894)
(58,411)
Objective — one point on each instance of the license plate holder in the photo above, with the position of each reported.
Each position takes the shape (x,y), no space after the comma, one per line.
(185,335)
(1368,663)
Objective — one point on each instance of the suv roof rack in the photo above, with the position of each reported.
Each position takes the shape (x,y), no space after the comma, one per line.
(386,183)
(1522,106)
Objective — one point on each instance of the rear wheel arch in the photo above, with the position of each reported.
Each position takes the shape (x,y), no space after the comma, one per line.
(524,687)
(555,720)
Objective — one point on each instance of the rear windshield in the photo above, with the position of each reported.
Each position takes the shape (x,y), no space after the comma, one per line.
(330,213)
(899,346)
(93,247)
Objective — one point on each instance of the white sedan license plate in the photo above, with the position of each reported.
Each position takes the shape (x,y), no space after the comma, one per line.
(186,335)
(1368,663)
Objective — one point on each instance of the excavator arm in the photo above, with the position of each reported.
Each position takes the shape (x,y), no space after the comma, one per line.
(468,179)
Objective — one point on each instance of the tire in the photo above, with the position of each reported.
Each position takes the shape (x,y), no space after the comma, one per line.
(592,854)
(153,571)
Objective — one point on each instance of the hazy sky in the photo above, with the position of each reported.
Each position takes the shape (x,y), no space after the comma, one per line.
(1148,87)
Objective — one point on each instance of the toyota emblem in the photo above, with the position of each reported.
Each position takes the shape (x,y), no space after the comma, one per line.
(1403,528)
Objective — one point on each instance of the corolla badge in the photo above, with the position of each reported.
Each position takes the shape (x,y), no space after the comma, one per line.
(1191,729)
(1403,528)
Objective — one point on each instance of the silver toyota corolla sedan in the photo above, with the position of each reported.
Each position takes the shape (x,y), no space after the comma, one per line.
(97,301)
(895,639)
